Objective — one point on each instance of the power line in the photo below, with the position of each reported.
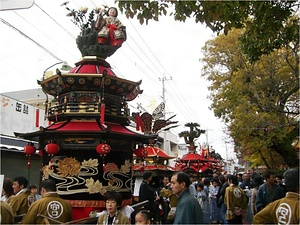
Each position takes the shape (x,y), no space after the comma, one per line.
(54,21)
(141,60)
(29,38)
(62,47)
(146,44)
(145,55)
(176,92)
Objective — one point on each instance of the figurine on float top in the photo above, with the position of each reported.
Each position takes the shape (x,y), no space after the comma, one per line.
(100,37)
(111,30)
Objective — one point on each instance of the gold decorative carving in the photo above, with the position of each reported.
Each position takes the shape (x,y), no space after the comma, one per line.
(68,167)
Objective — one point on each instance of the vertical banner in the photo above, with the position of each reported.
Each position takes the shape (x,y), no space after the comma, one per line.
(37,117)
(102,115)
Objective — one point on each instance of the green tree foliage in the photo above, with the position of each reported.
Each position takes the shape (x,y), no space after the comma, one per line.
(192,134)
(258,101)
(265,20)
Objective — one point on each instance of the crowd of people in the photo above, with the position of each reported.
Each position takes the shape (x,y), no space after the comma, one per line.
(221,199)
(18,200)
(224,199)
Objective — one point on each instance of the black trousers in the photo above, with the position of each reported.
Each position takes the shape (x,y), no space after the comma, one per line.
(236,220)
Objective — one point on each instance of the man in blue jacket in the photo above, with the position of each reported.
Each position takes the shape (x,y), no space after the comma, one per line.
(268,192)
(188,210)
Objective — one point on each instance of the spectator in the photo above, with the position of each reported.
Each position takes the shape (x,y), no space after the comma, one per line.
(127,211)
(246,183)
(51,206)
(222,181)
(192,186)
(34,196)
(240,179)
(278,179)
(188,210)
(143,217)
(7,191)
(215,175)
(202,195)
(268,192)
(285,210)
(221,195)
(165,193)
(257,181)
(206,210)
(6,213)
(148,193)
(19,203)
(214,209)
(235,200)
(113,202)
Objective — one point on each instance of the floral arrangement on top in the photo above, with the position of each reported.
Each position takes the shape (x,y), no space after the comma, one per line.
(101,36)
(80,19)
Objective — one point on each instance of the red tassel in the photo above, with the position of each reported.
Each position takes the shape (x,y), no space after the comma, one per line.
(137,121)
(102,114)
(142,126)
(37,118)
(28,163)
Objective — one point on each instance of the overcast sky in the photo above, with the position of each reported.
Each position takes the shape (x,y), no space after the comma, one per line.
(165,48)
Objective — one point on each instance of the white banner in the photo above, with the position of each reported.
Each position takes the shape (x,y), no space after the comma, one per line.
(17,116)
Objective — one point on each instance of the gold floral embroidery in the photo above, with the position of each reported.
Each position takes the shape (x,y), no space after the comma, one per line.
(95,187)
(90,162)
(126,167)
(68,167)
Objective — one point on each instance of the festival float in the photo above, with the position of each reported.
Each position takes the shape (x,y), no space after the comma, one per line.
(203,164)
(152,158)
(88,147)
(149,157)
(193,163)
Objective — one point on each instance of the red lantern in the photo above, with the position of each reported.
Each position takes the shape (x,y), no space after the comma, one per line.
(52,148)
(103,149)
(29,150)
(141,152)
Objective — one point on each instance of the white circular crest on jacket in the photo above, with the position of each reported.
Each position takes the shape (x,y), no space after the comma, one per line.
(284,214)
(237,192)
(54,209)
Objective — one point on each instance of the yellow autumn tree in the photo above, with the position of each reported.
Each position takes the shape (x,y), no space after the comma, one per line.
(258,101)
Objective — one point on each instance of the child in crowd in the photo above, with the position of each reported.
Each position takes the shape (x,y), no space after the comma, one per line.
(143,217)
(201,194)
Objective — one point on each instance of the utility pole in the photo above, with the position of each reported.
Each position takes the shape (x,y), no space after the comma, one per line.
(207,143)
(163,79)
(227,164)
